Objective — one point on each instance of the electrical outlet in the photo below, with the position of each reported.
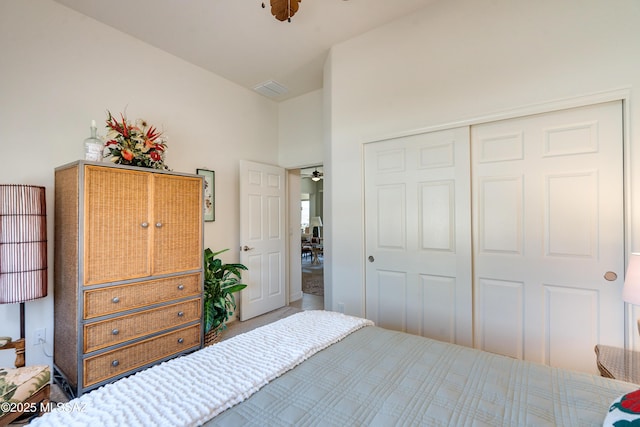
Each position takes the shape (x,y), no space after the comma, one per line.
(39,336)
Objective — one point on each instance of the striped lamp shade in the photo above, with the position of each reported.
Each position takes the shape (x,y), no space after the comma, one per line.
(23,243)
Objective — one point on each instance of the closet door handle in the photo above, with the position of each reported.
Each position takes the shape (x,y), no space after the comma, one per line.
(144,225)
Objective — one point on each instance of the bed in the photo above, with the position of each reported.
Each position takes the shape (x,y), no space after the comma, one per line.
(325,368)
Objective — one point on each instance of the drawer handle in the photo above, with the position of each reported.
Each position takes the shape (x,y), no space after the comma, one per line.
(180,313)
(115,332)
(180,340)
(180,287)
(144,225)
(115,363)
(115,300)
(158,224)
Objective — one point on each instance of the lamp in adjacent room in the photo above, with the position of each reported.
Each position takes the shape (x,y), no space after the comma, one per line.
(23,246)
(314,222)
(631,288)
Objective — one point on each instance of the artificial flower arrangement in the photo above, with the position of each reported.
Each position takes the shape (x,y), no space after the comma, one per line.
(135,145)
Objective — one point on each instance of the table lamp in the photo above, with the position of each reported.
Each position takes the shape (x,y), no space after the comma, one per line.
(314,222)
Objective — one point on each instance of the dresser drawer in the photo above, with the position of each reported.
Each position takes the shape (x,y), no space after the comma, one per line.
(114,299)
(114,331)
(130,357)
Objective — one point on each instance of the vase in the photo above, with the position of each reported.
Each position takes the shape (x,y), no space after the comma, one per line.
(93,147)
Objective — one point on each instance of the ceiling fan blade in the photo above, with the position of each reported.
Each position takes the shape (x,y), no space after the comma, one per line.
(284,9)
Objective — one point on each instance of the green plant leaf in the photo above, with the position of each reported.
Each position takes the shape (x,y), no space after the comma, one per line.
(220,282)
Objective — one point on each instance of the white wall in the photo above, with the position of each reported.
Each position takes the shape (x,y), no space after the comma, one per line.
(300,131)
(300,144)
(454,61)
(59,70)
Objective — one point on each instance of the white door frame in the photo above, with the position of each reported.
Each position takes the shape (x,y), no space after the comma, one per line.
(294,263)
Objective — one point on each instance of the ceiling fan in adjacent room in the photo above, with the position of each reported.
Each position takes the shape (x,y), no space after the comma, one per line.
(313,173)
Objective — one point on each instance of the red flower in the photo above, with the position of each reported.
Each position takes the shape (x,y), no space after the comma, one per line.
(631,401)
(128,155)
(152,134)
(112,142)
(155,156)
(120,128)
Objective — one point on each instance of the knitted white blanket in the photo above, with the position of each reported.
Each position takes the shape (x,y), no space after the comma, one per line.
(189,390)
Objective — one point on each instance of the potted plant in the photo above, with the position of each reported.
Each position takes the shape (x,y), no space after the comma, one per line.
(220,282)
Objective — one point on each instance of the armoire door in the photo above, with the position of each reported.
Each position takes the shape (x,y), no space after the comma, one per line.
(548,235)
(158,218)
(116,199)
(418,237)
(176,224)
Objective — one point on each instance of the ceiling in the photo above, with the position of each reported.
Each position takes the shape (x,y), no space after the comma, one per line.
(244,43)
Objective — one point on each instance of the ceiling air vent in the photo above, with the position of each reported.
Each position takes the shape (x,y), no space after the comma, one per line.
(271,89)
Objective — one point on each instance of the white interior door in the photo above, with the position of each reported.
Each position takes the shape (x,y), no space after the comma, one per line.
(262,238)
(548,226)
(418,237)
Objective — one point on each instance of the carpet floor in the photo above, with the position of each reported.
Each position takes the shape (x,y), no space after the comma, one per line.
(312,277)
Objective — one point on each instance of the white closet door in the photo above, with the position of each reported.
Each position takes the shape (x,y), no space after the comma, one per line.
(418,237)
(548,225)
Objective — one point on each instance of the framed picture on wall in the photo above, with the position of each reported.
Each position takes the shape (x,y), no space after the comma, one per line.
(209,193)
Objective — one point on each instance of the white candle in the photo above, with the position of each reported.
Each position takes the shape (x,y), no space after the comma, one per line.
(93,123)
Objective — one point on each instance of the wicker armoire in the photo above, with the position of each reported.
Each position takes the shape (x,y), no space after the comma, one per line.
(128,277)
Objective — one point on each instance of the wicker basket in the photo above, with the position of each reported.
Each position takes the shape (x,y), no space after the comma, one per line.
(213,336)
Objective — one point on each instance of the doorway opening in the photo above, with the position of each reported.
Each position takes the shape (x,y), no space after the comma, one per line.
(312,248)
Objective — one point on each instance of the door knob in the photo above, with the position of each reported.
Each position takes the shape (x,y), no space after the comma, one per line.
(371,258)
(610,276)
(246,248)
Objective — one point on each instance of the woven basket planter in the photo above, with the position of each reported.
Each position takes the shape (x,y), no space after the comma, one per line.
(213,336)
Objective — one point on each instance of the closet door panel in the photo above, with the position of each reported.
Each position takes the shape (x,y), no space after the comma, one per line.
(551,219)
(418,247)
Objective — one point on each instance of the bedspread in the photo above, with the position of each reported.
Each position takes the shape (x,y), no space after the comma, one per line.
(376,377)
